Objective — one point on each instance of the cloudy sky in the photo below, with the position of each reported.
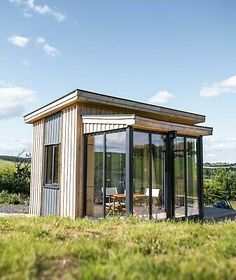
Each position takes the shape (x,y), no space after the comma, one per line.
(180,54)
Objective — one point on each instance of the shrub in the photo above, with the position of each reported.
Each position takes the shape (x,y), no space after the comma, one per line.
(16,180)
(220,186)
(9,198)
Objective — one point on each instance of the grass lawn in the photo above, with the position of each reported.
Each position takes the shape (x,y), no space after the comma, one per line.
(57,248)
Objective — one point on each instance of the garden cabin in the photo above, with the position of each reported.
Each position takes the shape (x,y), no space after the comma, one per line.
(96,155)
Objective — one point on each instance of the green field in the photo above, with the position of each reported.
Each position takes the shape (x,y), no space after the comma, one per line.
(57,248)
(4,164)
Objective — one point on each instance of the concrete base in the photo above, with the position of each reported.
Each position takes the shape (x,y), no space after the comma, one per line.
(216,214)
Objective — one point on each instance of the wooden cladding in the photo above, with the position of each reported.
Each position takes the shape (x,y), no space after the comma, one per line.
(51,200)
(69,162)
(37,168)
(52,128)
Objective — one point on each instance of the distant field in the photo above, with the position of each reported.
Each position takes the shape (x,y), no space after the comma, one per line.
(59,248)
(6,164)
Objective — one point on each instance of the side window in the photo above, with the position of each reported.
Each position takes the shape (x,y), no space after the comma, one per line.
(52,164)
(52,140)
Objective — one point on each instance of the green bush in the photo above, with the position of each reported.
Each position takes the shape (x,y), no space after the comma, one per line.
(9,198)
(16,180)
(220,186)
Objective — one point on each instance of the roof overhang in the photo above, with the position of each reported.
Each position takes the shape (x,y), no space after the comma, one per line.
(95,99)
(99,123)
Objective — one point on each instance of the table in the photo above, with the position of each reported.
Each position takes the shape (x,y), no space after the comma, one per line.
(118,202)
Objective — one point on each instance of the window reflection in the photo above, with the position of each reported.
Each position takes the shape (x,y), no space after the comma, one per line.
(52,164)
(186,180)
(141,174)
(94,199)
(158,177)
(192,182)
(115,174)
(179,175)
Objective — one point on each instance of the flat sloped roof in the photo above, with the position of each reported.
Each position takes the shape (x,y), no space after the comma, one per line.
(97,99)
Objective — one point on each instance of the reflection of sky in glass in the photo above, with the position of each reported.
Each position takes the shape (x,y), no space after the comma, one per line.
(116,142)
(157,140)
(98,143)
(140,138)
(191,145)
(179,140)
(179,143)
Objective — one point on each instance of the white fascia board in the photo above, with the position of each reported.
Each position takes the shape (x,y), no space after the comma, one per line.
(51,108)
(109,119)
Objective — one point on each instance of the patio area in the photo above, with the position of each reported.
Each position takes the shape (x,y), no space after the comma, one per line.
(217,214)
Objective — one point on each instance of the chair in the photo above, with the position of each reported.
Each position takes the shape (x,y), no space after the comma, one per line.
(111,191)
(155,192)
(110,205)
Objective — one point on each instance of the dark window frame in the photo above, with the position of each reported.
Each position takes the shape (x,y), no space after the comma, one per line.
(53,159)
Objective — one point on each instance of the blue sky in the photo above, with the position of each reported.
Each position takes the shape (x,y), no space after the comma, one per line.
(178,54)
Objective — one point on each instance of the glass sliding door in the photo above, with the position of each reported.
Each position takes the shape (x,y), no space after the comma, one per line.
(107,158)
(141,174)
(94,188)
(158,176)
(192,179)
(115,173)
(179,177)
(186,178)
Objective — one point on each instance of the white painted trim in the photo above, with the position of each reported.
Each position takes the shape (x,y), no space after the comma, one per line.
(51,108)
(96,123)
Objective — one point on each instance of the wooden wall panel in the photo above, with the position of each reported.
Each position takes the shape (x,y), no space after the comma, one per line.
(69,162)
(50,204)
(36,184)
(52,131)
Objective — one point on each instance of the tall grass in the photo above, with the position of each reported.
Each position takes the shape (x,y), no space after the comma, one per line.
(57,248)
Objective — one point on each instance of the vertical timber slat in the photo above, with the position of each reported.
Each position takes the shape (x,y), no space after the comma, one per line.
(37,169)
(69,169)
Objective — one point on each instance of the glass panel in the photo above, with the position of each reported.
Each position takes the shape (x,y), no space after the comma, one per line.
(94,198)
(140,174)
(115,173)
(56,164)
(158,177)
(179,177)
(192,182)
(49,162)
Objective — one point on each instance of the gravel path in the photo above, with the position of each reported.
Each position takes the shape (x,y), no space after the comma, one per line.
(11,208)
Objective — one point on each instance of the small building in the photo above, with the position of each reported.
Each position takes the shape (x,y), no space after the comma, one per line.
(96,155)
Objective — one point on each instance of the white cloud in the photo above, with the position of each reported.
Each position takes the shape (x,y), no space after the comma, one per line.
(219,88)
(41,40)
(31,6)
(161,97)
(19,41)
(219,150)
(14,146)
(48,49)
(13,100)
